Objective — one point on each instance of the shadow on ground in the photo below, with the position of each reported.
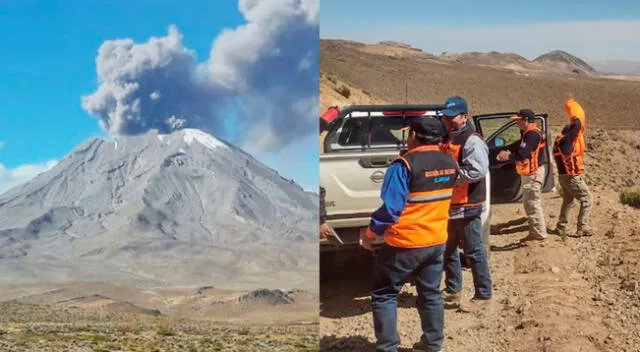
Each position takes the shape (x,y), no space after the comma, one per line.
(510,227)
(346,284)
(351,343)
(508,247)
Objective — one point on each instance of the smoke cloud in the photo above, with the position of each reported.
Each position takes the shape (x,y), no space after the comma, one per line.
(269,65)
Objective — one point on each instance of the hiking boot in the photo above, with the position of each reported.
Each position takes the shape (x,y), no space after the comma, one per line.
(559,231)
(449,297)
(475,305)
(420,346)
(584,232)
(532,237)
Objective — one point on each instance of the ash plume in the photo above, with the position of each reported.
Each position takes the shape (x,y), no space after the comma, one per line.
(268,67)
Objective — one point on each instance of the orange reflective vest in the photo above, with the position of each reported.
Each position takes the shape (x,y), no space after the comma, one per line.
(423,221)
(572,164)
(569,164)
(465,195)
(529,166)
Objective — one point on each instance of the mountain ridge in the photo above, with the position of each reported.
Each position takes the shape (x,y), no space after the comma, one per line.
(553,61)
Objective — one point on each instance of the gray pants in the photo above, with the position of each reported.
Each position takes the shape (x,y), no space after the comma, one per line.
(532,202)
(574,187)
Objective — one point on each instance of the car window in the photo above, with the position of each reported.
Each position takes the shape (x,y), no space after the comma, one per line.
(372,132)
(505,137)
(352,132)
(388,130)
(491,126)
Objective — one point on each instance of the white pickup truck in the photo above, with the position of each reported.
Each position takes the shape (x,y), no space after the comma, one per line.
(362,140)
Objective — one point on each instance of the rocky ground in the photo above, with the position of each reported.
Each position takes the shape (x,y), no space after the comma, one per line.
(565,294)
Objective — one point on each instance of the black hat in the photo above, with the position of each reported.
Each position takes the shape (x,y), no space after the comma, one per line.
(425,126)
(525,114)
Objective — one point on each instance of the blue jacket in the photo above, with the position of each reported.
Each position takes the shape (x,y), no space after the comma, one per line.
(394,194)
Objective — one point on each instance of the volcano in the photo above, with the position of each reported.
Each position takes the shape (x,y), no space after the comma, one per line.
(156,209)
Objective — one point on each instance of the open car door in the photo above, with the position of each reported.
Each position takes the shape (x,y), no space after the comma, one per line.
(499,131)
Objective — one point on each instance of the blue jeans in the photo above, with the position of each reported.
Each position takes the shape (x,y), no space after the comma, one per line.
(467,233)
(392,269)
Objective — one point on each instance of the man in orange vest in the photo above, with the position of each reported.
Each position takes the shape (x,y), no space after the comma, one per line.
(416,195)
(568,151)
(471,153)
(530,162)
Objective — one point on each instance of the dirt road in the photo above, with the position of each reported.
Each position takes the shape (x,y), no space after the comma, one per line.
(576,294)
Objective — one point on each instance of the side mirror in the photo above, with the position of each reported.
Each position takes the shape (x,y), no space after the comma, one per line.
(498,142)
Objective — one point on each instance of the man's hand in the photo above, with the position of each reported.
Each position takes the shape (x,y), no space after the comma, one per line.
(367,243)
(367,237)
(324,230)
(503,155)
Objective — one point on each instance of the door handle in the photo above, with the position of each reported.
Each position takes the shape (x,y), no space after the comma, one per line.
(370,163)
(377,176)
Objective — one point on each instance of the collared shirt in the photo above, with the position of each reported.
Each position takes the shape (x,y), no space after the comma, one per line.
(475,158)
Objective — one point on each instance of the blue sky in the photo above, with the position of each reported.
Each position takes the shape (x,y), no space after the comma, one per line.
(48,63)
(593,30)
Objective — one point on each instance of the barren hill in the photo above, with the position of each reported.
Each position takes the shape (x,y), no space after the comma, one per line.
(492,58)
(564,58)
(609,102)
(159,210)
(398,45)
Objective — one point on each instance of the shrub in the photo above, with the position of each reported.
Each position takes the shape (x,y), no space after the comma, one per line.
(163,331)
(344,91)
(631,197)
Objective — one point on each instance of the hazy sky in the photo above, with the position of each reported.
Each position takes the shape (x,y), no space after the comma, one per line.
(591,30)
(70,71)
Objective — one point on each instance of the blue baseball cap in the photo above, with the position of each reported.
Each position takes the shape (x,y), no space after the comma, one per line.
(455,106)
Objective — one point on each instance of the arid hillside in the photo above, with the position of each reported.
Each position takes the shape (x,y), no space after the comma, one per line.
(503,83)
(93,316)
(52,328)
